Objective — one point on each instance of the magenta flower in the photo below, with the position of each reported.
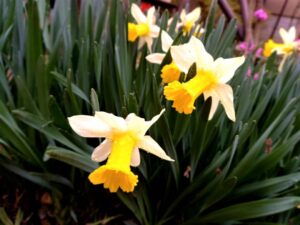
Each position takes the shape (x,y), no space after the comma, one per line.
(245,47)
(249,72)
(261,14)
(256,76)
(258,52)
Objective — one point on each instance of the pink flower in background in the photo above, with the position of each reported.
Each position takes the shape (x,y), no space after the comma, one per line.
(245,47)
(258,52)
(256,76)
(242,46)
(261,14)
(249,72)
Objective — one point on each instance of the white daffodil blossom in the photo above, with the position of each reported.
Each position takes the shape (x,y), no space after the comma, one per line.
(145,29)
(286,48)
(187,21)
(169,72)
(198,31)
(210,79)
(124,138)
(289,39)
(166,42)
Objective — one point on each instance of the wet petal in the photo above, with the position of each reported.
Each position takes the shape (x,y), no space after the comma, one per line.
(137,14)
(154,31)
(151,146)
(154,119)
(141,42)
(138,125)
(225,94)
(89,126)
(156,58)
(135,158)
(102,151)
(183,56)
(182,15)
(150,15)
(203,59)
(214,102)
(114,122)
(225,68)
(288,36)
(194,15)
(149,42)
(166,41)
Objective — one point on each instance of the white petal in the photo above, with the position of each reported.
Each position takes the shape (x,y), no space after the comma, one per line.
(225,68)
(214,102)
(203,59)
(182,15)
(135,158)
(156,58)
(89,126)
(138,125)
(288,36)
(114,122)
(102,151)
(166,41)
(225,94)
(170,20)
(151,146)
(183,56)
(194,15)
(150,15)
(154,119)
(141,42)
(154,31)
(137,14)
(149,42)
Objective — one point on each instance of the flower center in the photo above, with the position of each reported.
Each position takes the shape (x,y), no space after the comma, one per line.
(170,72)
(185,94)
(137,30)
(122,147)
(187,27)
(271,46)
(116,173)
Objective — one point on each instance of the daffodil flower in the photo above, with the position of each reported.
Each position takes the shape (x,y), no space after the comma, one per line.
(198,31)
(169,72)
(210,79)
(287,47)
(145,29)
(188,20)
(124,137)
(166,42)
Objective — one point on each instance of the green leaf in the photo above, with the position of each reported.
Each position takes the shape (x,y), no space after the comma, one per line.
(94,100)
(45,128)
(77,160)
(27,175)
(269,186)
(75,89)
(248,210)
(4,217)
(211,19)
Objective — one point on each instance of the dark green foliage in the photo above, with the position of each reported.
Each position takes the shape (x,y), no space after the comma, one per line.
(79,61)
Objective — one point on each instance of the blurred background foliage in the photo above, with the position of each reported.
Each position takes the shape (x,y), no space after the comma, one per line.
(75,59)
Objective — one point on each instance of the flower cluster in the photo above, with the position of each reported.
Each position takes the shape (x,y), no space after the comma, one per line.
(261,14)
(288,45)
(124,137)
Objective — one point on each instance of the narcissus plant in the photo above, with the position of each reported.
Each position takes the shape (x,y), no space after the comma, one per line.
(145,28)
(123,139)
(210,79)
